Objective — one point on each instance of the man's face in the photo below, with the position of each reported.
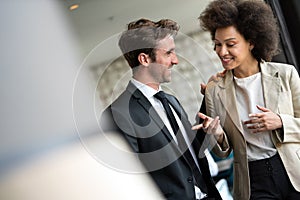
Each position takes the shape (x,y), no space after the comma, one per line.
(160,70)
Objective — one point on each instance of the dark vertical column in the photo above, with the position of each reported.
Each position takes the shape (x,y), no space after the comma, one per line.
(288,15)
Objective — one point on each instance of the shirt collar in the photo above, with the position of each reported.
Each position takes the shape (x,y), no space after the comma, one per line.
(145,89)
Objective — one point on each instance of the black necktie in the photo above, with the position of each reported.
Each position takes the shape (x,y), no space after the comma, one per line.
(181,142)
(162,97)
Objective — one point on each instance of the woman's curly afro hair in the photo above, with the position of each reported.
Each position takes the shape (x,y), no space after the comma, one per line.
(253,19)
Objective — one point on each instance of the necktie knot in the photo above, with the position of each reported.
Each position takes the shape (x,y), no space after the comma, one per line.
(160,95)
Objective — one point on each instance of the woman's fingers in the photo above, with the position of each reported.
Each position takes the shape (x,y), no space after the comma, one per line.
(197,127)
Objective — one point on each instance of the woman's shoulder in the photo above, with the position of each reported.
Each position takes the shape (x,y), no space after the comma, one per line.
(281,68)
(221,81)
(215,85)
(214,82)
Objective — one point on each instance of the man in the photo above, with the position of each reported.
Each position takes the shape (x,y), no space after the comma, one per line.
(156,126)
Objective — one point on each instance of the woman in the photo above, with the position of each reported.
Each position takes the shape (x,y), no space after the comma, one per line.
(254,109)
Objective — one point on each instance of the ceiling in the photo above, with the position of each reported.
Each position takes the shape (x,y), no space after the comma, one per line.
(97,20)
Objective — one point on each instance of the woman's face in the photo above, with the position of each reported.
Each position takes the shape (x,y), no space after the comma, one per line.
(232,48)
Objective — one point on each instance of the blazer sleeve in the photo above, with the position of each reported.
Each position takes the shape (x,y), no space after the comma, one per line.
(289,107)
(224,149)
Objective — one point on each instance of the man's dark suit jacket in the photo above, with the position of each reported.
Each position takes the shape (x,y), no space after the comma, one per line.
(134,117)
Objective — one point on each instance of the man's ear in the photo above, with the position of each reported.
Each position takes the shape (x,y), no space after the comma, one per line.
(144,59)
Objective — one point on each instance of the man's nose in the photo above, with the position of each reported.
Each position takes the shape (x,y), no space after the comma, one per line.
(174,59)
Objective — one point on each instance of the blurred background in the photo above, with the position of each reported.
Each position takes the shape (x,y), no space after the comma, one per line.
(60,67)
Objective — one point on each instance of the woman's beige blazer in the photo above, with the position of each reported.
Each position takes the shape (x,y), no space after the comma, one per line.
(281,88)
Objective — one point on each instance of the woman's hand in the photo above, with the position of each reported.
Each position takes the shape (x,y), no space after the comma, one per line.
(212,78)
(210,126)
(265,121)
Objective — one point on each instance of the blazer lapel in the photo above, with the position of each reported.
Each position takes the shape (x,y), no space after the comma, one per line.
(271,86)
(229,103)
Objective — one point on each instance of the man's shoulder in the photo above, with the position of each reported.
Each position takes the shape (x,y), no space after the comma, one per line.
(108,115)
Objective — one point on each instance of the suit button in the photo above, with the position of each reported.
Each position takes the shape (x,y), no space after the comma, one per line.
(190,179)
(267,162)
(270,168)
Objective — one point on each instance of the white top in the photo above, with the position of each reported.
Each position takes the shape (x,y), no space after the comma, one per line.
(249,93)
(149,93)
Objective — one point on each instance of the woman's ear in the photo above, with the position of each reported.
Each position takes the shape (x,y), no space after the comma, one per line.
(251,46)
(144,59)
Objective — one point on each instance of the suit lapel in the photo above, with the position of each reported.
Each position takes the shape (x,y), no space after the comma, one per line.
(198,148)
(182,116)
(176,106)
(146,105)
(191,136)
